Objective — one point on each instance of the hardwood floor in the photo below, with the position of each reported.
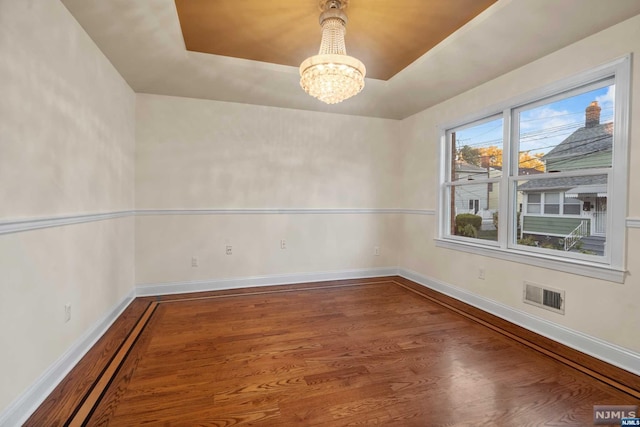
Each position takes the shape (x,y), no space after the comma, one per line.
(358,352)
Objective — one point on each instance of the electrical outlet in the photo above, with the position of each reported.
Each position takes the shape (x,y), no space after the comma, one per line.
(283,244)
(376,250)
(481,273)
(194,261)
(229,250)
(67,312)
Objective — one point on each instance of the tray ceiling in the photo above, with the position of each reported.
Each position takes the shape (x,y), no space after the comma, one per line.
(385,35)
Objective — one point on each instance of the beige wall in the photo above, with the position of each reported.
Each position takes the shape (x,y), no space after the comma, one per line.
(609,311)
(199,154)
(315,243)
(66,148)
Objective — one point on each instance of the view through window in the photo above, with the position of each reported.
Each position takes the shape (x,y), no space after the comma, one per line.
(534,178)
(565,154)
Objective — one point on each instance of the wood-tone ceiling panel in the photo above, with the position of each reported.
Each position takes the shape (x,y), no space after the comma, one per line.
(386,35)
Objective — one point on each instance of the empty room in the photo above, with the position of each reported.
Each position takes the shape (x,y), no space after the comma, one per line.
(319,212)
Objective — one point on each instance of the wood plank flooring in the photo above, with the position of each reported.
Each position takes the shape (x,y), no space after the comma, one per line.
(358,352)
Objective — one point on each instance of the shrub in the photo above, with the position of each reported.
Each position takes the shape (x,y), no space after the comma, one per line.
(528,241)
(466,218)
(467,230)
(552,243)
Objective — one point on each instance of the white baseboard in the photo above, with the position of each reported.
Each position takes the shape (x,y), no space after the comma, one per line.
(25,404)
(610,353)
(153,289)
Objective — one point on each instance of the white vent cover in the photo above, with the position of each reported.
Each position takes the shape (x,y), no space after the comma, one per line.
(544,297)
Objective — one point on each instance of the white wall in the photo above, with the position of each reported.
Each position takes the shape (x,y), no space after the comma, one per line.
(196,154)
(601,309)
(66,148)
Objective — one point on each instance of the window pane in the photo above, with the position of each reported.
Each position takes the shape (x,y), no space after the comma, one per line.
(551,209)
(552,203)
(534,202)
(474,211)
(572,209)
(551,198)
(477,151)
(583,226)
(568,134)
(571,205)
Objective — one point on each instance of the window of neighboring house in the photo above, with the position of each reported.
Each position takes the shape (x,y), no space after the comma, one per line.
(534,201)
(532,165)
(571,206)
(552,204)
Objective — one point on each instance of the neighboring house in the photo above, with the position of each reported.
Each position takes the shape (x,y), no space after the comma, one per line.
(470,198)
(556,207)
(481,199)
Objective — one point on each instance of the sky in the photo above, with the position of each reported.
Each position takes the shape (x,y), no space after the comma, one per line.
(545,126)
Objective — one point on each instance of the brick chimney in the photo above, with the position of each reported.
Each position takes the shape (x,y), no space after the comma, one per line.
(592,115)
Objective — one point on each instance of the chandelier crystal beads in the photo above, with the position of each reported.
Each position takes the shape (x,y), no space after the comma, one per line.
(332,76)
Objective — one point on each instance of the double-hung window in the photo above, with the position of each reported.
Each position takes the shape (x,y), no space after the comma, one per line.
(542,179)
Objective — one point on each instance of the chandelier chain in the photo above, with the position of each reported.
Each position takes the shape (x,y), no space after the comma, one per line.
(333,32)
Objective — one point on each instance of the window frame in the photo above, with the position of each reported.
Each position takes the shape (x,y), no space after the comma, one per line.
(611,267)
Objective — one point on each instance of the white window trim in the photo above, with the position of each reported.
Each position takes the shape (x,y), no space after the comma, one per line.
(612,267)
(582,268)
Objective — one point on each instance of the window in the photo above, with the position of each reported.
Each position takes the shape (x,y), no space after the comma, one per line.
(534,201)
(474,168)
(533,181)
(550,204)
(571,206)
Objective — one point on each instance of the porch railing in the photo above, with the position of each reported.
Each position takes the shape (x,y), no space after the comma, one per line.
(578,233)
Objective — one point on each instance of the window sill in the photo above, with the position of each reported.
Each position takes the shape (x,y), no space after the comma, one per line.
(582,268)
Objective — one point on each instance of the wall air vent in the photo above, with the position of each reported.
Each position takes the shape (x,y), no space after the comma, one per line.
(544,297)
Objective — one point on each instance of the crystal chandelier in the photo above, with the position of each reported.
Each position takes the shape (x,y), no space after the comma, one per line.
(332,76)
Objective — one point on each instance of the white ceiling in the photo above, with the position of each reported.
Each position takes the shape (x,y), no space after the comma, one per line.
(143,40)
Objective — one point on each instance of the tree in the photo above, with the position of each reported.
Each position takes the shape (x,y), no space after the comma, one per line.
(528,161)
(491,156)
(470,155)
